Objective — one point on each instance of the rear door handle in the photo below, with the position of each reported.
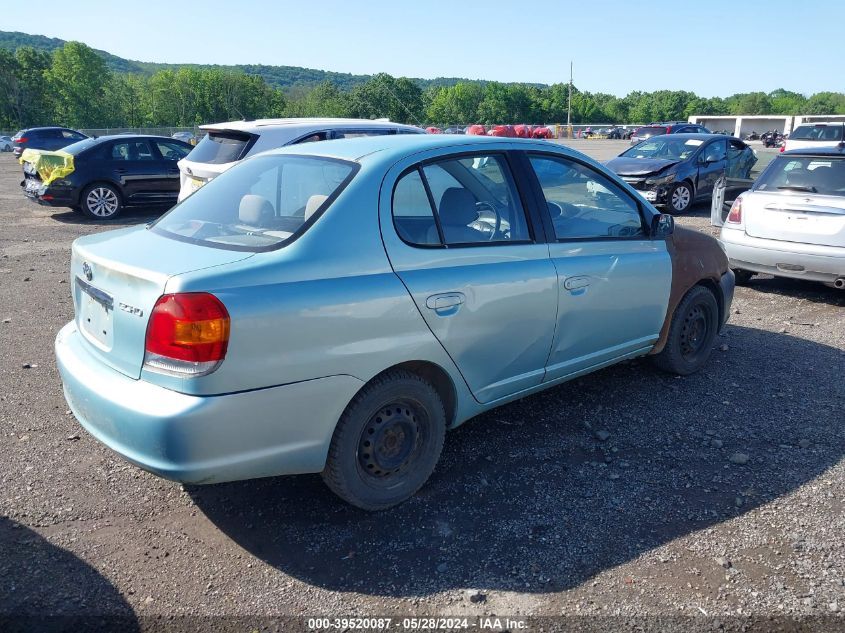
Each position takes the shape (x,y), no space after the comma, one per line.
(574,283)
(446,303)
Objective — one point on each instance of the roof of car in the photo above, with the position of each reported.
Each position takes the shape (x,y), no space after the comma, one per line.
(399,145)
(700,136)
(124,137)
(816,151)
(256,124)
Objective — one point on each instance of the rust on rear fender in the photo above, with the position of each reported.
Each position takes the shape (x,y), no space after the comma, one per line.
(695,257)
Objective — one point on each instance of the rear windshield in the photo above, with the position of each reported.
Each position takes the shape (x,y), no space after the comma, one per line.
(817,133)
(651,131)
(79,146)
(259,204)
(810,174)
(217,148)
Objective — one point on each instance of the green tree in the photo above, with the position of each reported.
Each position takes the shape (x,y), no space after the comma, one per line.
(77,79)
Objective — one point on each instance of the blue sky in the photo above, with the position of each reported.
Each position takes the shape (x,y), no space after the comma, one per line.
(711,47)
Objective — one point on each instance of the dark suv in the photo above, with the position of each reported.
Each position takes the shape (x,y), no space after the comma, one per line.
(49,138)
(672,127)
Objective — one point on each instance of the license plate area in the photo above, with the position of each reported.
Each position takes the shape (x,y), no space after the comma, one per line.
(651,196)
(96,315)
(195,183)
(31,185)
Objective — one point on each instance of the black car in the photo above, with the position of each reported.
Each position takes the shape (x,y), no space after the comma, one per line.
(49,138)
(108,173)
(678,169)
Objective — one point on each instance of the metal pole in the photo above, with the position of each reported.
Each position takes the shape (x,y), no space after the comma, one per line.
(569,105)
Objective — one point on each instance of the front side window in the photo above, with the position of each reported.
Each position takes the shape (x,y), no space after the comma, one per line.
(258,205)
(471,200)
(171,151)
(585,204)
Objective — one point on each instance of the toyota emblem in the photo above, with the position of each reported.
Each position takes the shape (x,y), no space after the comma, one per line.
(86,268)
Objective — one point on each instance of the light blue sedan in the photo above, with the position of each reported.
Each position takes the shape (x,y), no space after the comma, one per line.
(337,307)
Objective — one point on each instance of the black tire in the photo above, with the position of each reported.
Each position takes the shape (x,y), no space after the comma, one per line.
(680,197)
(691,334)
(742,277)
(387,442)
(101,201)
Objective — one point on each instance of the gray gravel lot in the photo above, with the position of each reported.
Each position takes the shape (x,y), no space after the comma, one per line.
(627,493)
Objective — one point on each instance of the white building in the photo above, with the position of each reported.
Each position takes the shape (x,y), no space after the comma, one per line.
(741,125)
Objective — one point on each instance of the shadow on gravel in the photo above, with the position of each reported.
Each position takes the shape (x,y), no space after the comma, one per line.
(47,589)
(526,498)
(798,288)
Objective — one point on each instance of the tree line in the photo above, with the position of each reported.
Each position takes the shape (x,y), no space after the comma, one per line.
(72,86)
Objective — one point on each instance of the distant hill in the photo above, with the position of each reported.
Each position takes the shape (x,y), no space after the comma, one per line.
(286,77)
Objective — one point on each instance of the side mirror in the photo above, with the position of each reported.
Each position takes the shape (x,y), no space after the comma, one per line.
(662,225)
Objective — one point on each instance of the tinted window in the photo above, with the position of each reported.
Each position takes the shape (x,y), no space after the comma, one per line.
(171,151)
(131,150)
(476,201)
(813,174)
(583,203)
(217,148)
(259,205)
(817,133)
(651,131)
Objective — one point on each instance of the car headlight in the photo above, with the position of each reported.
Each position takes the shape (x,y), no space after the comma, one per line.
(661,180)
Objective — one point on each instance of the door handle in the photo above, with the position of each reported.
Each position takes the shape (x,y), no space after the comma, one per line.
(445,303)
(574,283)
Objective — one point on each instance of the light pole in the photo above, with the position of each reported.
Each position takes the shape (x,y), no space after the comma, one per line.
(569,105)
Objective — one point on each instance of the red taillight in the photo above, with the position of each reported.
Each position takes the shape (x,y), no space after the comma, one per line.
(735,215)
(188,333)
(22,139)
(783,147)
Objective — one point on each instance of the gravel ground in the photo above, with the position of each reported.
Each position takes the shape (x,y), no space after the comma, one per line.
(629,493)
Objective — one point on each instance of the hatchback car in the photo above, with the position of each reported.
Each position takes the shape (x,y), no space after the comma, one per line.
(335,307)
(49,138)
(792,221)
(101,176)
(659,129)
(678,169)
(227,143)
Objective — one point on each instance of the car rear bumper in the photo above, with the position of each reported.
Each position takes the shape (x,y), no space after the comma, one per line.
(783,259)
(202,439)
(50,196)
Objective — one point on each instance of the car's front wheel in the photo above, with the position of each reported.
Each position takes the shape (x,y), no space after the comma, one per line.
(387,442)
(101,201)
(691,333)
(679,197)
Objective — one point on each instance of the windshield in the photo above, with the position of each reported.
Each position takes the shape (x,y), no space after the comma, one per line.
(669,148)
(810,174)
(259,204)
(817,133)
(79,146)
(217,148)
(651,131)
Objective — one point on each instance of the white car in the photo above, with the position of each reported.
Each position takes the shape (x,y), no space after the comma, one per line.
(813,135)
(5,143)
(792,221)
(227,143)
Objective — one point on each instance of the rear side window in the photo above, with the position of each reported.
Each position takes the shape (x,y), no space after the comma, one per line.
(131,151)
(217,148)
(817,133)
(260,205)
(463,201)
(171,151)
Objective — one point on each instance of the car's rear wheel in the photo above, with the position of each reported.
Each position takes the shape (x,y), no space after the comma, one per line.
(679,197)
(101,201)
(691,334)
(387,442)
(742,277)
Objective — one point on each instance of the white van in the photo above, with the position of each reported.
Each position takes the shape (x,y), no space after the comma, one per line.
(224,144)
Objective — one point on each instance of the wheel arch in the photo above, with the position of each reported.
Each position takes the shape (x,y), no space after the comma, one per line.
(438,377)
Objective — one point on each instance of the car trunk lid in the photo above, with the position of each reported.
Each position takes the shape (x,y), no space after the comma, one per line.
(118,276)
(795,217)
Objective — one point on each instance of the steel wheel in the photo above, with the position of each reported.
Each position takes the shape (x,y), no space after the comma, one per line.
(694,327)
(390,441)
(694,332)
(101,202)
(680,197)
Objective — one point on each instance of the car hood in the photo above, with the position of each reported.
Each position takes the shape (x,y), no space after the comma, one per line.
(624,166)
